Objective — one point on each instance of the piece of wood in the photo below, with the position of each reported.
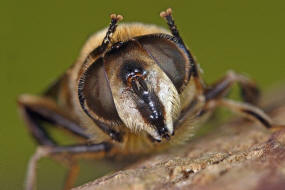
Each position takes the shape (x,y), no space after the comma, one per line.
(237,155)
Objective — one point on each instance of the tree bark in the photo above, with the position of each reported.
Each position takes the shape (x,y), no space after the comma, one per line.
(237,155)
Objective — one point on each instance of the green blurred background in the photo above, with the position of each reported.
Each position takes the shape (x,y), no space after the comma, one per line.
(40,39)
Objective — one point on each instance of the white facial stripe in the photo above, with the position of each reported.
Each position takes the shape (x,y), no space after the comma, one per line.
(169,97)
(150,130)
(170,127)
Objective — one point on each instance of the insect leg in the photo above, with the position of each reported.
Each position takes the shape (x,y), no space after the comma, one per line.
(36,110)
(214,97)
(167,15)
(72,151)
(107,39)
(249,91)
(72,175)
(31,171)
(250,111)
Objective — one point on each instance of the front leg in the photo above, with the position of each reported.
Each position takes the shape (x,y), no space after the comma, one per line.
(67,153)
(39,110)
(247,110)
(215,96)
(249,91)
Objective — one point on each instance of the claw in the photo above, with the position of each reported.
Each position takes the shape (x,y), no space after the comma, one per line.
(277,127)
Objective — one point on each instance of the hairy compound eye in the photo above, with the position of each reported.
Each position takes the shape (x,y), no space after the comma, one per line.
(171,57)
(97,93)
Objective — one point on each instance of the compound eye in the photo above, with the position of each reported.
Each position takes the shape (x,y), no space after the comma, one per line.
(97,93)
(171,57)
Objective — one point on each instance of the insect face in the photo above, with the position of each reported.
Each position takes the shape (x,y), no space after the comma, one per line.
(142,95)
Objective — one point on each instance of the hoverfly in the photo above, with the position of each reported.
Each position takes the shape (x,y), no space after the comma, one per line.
(134,89)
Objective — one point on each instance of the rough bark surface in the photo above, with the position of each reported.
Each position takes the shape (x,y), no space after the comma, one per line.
(237,155)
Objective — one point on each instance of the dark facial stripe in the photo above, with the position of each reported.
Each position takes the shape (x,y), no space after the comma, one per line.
(149,105)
